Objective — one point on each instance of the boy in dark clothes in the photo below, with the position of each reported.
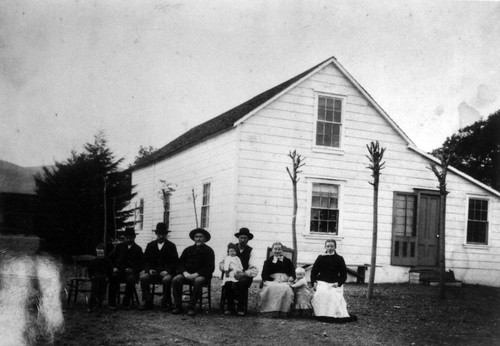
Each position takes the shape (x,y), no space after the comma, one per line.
(100,270)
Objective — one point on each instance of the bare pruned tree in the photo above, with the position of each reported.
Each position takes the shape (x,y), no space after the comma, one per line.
(441,176)
(297,163)
(376,165)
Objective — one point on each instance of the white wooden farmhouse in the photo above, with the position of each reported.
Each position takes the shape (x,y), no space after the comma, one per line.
(236,165)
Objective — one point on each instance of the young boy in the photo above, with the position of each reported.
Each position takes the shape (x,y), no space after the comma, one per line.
(100,270)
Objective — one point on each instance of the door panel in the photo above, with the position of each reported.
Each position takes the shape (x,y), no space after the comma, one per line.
(427,230)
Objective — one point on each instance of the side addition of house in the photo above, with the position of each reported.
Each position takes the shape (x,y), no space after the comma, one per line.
(230,172)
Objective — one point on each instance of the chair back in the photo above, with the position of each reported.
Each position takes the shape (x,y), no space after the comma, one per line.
(80,265)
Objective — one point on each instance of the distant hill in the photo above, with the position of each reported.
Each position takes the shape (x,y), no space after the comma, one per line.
(17,179)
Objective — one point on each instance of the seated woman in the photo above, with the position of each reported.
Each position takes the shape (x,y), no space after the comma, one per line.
(276,295)
(328,274)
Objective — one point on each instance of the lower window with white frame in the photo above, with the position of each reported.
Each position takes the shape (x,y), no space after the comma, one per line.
(477,221)
(324,212)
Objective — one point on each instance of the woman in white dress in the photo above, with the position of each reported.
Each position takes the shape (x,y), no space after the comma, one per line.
(328,275)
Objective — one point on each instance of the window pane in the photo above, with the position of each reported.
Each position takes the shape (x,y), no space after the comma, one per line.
(337,117)
(321,114)
(329,115)
(314,226)
(315,214)
(316,201)
(329,103)
(333,202)
(476,232)
(320,130)
(338,105)
(332,227)
(323,214)
(328,134)
(321,102)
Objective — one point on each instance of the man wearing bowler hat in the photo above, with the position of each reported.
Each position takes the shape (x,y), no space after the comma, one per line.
(195,266)
(128,261)
(160,259)
(245,278)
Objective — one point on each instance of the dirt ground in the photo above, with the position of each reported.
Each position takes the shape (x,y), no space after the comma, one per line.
(397,315)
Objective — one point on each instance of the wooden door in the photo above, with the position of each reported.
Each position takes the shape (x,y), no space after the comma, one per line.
(427,230)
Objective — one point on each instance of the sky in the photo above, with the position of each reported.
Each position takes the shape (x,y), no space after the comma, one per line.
(144,72)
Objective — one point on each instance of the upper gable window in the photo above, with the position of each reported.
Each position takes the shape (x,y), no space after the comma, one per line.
(329,121)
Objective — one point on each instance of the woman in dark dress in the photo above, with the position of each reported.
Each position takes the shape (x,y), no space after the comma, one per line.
(328,275)
(276,295)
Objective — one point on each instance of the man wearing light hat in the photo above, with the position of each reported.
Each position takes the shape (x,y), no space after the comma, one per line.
(160,259)
(195,266)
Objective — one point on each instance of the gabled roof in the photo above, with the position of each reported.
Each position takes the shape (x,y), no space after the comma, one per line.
(222,122)
(240,113)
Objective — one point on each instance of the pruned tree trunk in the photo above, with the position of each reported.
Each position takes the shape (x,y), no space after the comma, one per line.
(105,235)
(194,206)
(297,163)
(376,165)
(441,176)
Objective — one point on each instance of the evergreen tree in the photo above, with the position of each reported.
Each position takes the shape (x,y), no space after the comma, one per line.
(475,150)
(71,202)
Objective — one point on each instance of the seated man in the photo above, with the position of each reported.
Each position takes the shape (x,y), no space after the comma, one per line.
(128,261)
(160,259)
(196,265)
(245,277)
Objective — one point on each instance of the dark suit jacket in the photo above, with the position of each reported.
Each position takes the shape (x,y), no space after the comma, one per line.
(166,259)
(197,259)
(123,257)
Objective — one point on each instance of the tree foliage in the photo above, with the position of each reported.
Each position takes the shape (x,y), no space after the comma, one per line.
(475,150)
(144,152)
(70,199)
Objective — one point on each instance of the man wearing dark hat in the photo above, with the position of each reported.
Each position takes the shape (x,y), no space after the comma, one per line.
(245,278)
(128,261)
(195,266)
(160,259)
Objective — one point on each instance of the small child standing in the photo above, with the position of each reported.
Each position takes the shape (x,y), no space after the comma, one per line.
(232,265)
(303,295)
(100,270)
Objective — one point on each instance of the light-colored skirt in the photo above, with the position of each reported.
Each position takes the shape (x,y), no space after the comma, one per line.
(303,298)
(329,301)
(275,297)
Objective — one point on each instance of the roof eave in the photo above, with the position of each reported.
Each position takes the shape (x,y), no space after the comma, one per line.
(456,171)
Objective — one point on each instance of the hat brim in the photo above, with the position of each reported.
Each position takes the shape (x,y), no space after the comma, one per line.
(199,230)
(249,235)
(160,231)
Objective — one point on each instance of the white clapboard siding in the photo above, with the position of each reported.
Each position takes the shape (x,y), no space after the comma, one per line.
(246,167)
(288,124)
(212,161)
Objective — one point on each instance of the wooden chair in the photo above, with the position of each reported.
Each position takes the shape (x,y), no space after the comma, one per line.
(205,293)
(79,282)
(121,291)
(223,299)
